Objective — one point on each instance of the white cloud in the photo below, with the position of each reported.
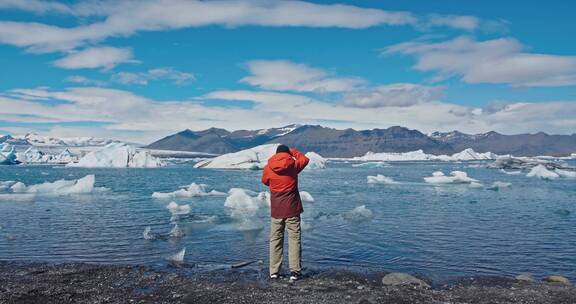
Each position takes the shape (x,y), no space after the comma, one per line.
(124,18)
(96,57)
(85,80)
(393,95)
(283,75)
(500,61)
(140,119)
(468,23)
(142,78)
(35,6)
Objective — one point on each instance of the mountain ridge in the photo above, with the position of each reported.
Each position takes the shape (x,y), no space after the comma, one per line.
(331,142)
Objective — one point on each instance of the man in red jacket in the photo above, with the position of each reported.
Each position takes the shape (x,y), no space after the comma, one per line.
(281,175)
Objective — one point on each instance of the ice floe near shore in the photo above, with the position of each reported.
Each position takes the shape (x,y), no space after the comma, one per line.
(34,156)
(193,190)
(456,177)
(381,179)
(419,155)
(8,155)
(59,187)
(254,159)
(118,155)
(542,172)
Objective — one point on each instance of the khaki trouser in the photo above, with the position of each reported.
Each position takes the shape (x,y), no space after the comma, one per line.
(292,224)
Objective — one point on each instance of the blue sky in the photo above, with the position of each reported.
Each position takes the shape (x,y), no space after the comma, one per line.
(139,70)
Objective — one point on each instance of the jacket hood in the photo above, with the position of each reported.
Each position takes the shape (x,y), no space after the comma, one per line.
(281,163)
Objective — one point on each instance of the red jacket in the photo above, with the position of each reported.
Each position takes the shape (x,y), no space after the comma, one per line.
(281,175)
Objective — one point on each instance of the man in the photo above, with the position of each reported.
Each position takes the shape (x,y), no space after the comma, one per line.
(281,175)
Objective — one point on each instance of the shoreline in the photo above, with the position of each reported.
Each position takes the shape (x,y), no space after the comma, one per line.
(24,282)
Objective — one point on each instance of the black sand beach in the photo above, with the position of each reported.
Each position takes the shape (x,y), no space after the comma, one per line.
(85,283)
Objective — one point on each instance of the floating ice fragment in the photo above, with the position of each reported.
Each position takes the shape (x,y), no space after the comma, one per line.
(316,161)
(176,232)
(475,185)
(176,209)
(146,234)
(456,177)
(242,205)
(510,172)
(373,164)
(193,190)
(306,197)
(360,213)
(496,186)
(59,187)
(381,179)
(565,173)
(543,173)
(178,257)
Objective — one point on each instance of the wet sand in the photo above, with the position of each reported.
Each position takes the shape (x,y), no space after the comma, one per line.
(86,283)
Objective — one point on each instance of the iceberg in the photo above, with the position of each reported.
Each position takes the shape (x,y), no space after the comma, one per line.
(8,155)
(510,172)
(193,190)
(419,155)
(393,156)
(456,177)
(118,155)
(381,179)
(470,154)
(254,159)
(34,156)
(542,172)
(59,187)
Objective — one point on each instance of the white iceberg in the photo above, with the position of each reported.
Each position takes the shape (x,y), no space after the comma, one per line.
(176,209)
(254,159)
(59,187)
(118,155)
(470,154)
(34,156)
(8,155)
(456,177)
(543,173)
(394,156)
(193,190)
(419,155)
(381,179)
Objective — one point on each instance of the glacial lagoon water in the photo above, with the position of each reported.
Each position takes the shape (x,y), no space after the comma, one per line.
(439,231)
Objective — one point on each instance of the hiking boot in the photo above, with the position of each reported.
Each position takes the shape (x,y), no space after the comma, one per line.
(295,275)
(274,276)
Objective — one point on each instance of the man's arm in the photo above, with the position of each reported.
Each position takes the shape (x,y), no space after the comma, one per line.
(301,160)
(265,177)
